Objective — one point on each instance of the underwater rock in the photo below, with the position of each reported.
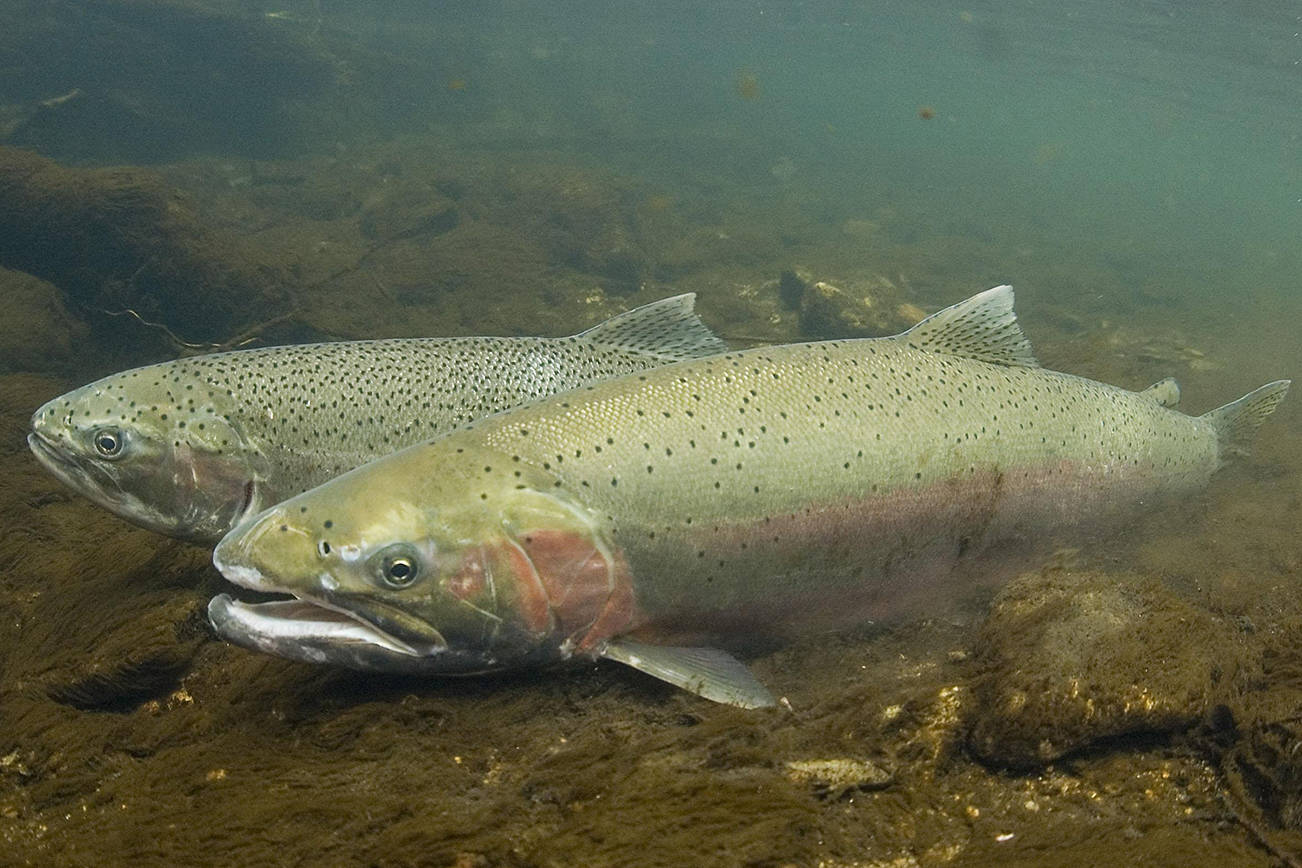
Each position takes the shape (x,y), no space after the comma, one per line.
(834,778)
(37,333)
(1069,659)
(113,239)
(620,260)
(405,211)
(1265,767)
(587,220)
(869,309)
(1258,736)
(791,288)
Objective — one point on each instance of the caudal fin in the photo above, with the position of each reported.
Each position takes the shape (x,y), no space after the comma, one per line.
(668,328)
(1237,422)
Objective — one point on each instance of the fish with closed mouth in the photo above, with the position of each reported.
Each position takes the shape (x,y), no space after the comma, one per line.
(189,447)
(658,518)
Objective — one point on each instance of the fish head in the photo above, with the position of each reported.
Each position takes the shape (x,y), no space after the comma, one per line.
(158,448)
(440,559)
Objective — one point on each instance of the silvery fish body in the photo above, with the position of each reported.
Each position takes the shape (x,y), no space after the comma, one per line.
(650,518)
(191,446)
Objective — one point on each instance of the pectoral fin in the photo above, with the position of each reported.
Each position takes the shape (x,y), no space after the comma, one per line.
(708,672)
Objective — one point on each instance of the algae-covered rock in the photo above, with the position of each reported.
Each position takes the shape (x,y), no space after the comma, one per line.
(20,394)
(792,286)
(37,333)
(833,778)
(1259,739)
(404,210)
(869,308)
(1069,659)
(131,658)
(115,239)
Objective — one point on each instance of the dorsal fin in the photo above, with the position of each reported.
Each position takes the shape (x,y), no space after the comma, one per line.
(1165,392)
(668,328)
(983,327)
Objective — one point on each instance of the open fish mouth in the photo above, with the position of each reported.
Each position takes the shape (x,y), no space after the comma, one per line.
(280,626)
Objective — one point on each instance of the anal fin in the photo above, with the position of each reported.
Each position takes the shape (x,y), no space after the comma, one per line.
(708,672)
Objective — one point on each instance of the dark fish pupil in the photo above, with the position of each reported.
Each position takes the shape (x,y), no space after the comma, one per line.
(107,443)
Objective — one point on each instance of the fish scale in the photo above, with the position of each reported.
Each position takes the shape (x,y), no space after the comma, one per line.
(216,437)
(756,494)
(326,408)
(738,439)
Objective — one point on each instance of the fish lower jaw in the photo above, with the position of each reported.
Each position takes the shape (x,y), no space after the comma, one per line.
(101,490)
(304,629)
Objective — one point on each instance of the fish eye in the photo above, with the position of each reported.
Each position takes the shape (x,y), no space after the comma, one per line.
(108,442)
(397,566)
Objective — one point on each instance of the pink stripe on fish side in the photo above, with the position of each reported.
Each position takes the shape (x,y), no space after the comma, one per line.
(886,555)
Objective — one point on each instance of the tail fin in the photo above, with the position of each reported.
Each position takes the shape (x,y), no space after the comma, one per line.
(1237,422)
(668,328)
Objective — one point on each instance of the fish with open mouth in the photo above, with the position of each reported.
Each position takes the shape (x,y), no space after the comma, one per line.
(189,447)
(660,518)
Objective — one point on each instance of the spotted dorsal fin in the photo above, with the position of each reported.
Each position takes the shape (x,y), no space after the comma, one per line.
(668,328)
(984,327)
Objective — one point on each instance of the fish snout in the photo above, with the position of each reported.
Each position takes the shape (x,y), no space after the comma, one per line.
(230,559)
(52,424)
(48,431)
(250,554)
(45,417)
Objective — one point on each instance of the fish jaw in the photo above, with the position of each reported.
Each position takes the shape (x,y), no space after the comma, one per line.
(180,482)
(304,631)
(102,487)
(303,627)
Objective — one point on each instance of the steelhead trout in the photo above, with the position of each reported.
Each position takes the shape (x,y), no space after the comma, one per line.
(190,447)
(659,517)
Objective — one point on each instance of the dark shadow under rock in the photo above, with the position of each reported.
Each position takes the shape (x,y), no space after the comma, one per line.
(138,658)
